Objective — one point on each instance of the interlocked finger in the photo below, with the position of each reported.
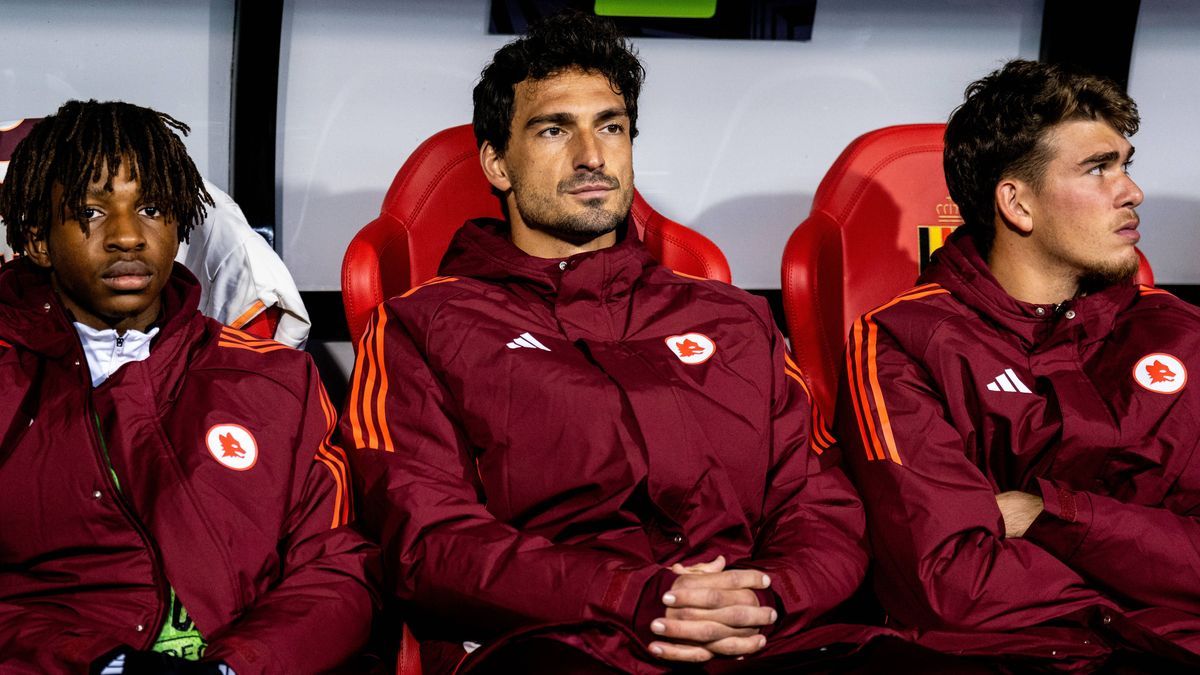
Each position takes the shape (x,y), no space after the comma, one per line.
(736,616)
(679,652)
(737,646)
(709,598)
(728,579)
(701,632)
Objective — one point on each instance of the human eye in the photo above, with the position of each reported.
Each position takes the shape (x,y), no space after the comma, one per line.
(151,211)
(551,132)
(1097,170)
(89,213)
(1127,166)
(613,128)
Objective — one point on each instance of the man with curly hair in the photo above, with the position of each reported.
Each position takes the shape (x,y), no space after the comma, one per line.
(573,456)
(171,498)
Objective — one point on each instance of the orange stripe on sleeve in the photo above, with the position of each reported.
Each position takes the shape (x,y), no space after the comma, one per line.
(385,436)
(249,314)
(238,335)
(249,348)
(866,425)
(338,512)
(368,384)
(336,450)
(356,383)
(873,369)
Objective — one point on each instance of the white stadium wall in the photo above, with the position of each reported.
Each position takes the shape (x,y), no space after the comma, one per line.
(735,136)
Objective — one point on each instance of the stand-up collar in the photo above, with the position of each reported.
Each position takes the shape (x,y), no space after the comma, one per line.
(959,268)
(33,317)
(481,249)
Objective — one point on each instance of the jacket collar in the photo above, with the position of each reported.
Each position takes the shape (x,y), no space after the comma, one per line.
(481,249)
(33,317)
(959,268)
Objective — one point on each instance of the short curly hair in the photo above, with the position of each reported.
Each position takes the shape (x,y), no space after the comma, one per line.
(560,42)
(1000,131)
(73,147)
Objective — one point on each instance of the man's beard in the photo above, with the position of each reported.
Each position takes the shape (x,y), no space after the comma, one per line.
(544,214)
(1100,277)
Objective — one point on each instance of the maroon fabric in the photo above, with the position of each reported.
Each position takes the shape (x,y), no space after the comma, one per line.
(252,554)
(1114,561)
(514,487)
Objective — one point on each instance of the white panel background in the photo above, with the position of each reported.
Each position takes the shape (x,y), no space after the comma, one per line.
(1164,79)
(171,55)
(735,135)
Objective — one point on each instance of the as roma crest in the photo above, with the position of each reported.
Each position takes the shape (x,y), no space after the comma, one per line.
(692,348)
(232,445)
(1161,373)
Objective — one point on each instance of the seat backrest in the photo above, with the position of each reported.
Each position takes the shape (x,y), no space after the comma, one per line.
(440,187)
(878,214)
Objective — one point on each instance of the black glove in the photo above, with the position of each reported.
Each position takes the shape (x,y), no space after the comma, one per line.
(153,663)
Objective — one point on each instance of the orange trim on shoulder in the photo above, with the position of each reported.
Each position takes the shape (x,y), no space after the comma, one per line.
(1143,289)
(233,337)
(872,328)
(251,348)
(431,282)
(249,314)
(381,397)
(368,412)
(335,459)
(689,276)
(858,389)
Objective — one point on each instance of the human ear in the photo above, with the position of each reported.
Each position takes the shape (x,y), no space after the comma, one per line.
(1013,204)
(37,250)
(494,167)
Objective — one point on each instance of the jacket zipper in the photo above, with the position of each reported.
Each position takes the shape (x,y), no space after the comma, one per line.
(153,630)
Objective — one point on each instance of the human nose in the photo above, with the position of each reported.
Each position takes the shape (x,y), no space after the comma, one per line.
(1131,195)
(123,232)
(588,153)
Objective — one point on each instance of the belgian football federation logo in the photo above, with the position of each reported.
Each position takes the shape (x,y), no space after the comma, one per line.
(232,445)
(692,348)
(931,237)
(1160,373)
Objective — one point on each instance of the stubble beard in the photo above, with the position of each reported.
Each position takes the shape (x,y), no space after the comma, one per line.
(1102,276)
(545,214)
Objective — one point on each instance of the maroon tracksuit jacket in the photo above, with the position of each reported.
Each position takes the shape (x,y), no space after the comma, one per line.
(954,392)
(249,534)
(537,439)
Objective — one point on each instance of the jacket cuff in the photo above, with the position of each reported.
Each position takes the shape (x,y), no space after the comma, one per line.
(650,604)
(1064,521)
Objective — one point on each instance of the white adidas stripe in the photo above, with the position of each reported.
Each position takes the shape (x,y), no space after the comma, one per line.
(1008,381)
(527,341)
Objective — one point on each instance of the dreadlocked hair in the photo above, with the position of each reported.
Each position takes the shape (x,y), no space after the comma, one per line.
(72,148)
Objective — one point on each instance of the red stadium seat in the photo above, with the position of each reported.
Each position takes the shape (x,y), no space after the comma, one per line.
(878,214)
(440,187)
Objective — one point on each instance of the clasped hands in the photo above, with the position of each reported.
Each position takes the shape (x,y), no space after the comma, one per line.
(711,612)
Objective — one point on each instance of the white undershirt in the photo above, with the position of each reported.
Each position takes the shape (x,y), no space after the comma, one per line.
(106,351)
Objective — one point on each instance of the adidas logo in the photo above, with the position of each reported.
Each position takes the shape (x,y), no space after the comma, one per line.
(527,341)
(1008,381)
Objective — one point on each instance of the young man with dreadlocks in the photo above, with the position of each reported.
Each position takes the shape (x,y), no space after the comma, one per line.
(171,499)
